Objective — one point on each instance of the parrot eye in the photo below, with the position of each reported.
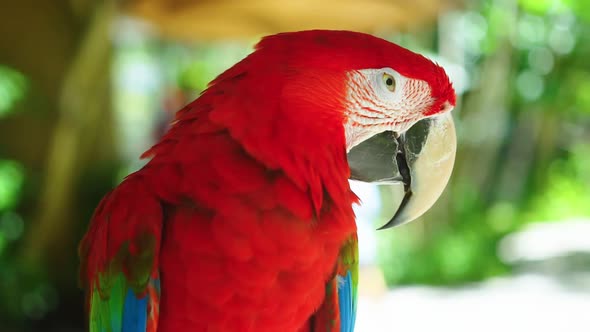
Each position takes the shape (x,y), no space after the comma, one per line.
(389,82)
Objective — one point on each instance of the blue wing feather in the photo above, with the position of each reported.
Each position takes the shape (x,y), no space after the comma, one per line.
(123,311)
(346,303)
(135,313)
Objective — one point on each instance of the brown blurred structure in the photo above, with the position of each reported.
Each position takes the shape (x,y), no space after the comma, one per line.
(223,19)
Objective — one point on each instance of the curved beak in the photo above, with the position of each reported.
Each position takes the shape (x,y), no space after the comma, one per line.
(421,159)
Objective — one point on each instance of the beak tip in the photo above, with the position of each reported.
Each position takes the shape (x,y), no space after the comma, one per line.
(398,219)
(390,224)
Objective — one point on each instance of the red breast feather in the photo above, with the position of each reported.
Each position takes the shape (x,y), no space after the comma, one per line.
(249,244)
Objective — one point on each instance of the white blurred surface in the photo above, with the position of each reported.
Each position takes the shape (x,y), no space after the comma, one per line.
(367,211)
(546,240)
(522,303)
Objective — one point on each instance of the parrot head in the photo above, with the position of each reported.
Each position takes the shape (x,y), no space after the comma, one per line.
(390,105)
(399,129)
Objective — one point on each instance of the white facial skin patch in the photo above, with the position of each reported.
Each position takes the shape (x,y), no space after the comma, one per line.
(380,100)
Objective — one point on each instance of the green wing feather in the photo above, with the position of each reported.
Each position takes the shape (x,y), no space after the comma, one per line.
(338,311)
(347,277)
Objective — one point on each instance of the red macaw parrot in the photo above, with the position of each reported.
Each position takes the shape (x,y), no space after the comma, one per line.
(242,220)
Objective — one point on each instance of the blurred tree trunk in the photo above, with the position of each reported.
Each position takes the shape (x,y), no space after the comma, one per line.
(67,56)
(485,117)
(483,120)
(84,97)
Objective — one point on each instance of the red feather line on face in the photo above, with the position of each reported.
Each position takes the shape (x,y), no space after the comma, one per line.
(442,92)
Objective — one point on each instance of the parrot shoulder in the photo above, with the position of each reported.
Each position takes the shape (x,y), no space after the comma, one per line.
(119,255)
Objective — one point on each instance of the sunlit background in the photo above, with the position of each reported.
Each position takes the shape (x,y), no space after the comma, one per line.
(86,86)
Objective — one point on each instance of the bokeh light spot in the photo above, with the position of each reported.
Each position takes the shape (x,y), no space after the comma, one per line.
(13,87)
(11,180)
(33,305)
(11,225)
(530,85)
(541,60)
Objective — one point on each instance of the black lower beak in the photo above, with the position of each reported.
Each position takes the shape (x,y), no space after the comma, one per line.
(404,171)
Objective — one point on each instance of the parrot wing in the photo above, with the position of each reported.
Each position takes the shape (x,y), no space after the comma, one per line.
(338,311)
(119,259)
(347,278)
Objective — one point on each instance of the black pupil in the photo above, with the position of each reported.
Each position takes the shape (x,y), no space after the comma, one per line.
(389,81)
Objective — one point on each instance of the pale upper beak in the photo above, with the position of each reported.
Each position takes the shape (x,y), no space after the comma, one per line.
(421,159)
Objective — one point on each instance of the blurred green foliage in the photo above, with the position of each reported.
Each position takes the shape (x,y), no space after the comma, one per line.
(549,84)
(567,193)
(193,70)
(461,251)
(546,106)
(11,181)
(12,226)
(13,87)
